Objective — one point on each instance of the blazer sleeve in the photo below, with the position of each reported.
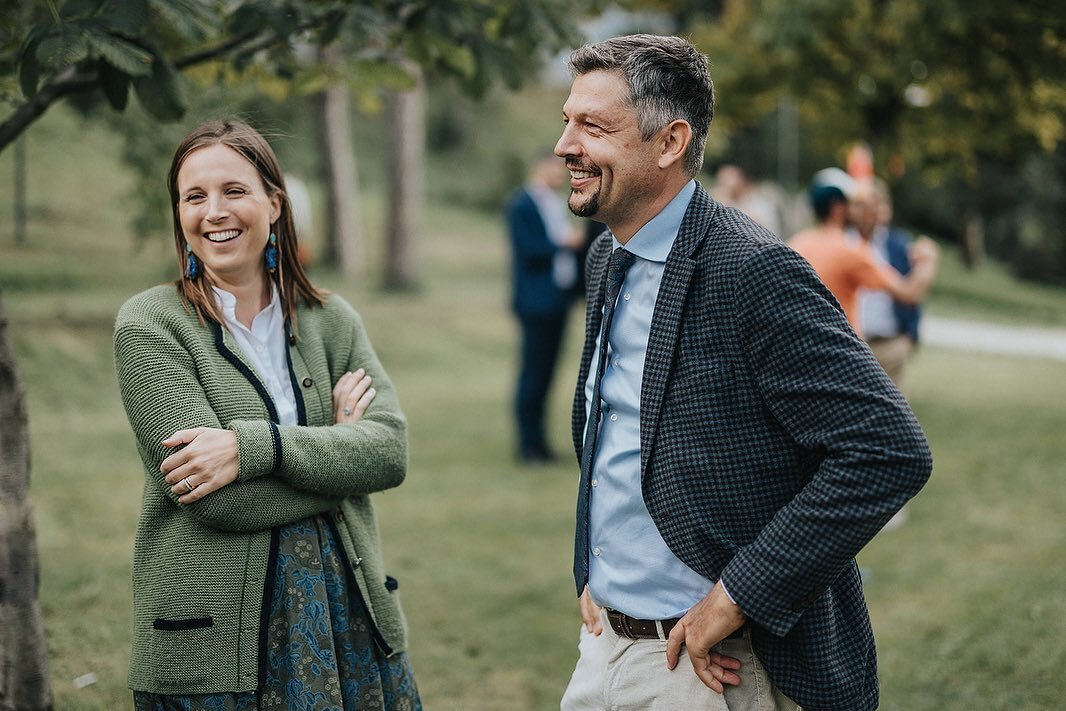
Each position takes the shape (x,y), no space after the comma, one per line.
(161,393)
(822,384)
(340,459)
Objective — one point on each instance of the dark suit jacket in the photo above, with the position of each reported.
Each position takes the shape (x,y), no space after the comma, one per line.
(908,316)
(534,292)
(773,446)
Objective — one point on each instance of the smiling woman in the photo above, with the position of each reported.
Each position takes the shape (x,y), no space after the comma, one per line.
(226,216)
(258,577)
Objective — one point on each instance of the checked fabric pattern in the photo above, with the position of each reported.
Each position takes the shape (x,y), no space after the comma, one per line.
(773,446)
(621,261)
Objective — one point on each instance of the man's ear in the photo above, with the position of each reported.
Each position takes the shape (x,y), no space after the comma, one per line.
(675,139)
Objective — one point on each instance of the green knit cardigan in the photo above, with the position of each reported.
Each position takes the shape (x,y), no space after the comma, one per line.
(199,569)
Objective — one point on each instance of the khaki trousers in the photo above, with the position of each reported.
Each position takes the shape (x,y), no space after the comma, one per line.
(615,673)
(893,354)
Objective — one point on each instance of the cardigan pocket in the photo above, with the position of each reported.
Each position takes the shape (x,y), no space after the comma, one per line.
(193,623)
(185,651)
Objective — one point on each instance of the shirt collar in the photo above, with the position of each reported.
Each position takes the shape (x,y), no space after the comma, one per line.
(654,240)
(228,303)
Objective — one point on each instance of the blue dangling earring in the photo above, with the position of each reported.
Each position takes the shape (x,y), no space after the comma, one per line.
(192,265)
(271,254)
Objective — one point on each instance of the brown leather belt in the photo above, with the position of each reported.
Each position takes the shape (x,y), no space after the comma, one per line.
(632,628)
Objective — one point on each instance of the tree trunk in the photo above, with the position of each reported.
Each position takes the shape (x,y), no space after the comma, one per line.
(973,239)
(343,240)
(405,124)
(24,682)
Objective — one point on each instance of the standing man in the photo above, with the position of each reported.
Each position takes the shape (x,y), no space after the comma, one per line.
(739,443)
(544,272)
(890,327)
(847,267)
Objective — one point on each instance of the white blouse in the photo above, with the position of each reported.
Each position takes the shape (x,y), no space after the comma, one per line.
(264,347)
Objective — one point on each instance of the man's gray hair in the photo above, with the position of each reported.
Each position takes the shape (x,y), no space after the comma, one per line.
(668,80)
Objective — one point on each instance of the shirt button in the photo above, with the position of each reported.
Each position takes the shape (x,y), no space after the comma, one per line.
(628,297)
(614,418)
(258,349)
(617,362)
(596,551)
(595,482)
(307,382)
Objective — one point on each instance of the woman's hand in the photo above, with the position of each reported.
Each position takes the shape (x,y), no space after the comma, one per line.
(352,396)
(206,463)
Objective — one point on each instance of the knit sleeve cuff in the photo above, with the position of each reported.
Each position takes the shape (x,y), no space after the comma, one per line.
(258,447)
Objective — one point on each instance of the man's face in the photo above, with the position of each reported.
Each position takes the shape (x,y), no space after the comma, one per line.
(612,171)
(863,213)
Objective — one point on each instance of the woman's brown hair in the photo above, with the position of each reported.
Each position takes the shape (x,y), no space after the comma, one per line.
(291,280)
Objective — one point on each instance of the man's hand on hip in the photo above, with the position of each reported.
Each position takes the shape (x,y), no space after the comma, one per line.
(709,621)
(590,613)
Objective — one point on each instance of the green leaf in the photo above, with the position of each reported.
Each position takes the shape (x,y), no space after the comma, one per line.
(192,19)
(121,53)
(125,17)
(73,9)
(248,18)
(457,58)
(68,46)
(29,67)
(160,93)
(116,86)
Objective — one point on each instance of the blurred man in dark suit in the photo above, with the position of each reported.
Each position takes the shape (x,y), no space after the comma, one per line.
(544,270)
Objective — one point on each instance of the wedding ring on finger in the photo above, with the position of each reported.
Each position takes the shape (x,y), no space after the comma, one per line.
(188,486)
(347,411)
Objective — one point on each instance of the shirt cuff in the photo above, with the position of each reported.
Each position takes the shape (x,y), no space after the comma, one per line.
(726,591)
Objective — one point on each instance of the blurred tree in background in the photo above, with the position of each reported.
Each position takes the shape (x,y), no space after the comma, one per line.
(962,103)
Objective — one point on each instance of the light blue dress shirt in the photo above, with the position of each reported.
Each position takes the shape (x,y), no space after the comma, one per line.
(631,569)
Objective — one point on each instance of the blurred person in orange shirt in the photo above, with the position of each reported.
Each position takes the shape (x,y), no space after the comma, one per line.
(845,266)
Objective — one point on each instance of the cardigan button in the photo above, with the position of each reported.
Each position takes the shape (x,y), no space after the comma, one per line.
(307,382)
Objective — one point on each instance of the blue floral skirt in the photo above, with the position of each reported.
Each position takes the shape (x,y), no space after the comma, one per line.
(321,653)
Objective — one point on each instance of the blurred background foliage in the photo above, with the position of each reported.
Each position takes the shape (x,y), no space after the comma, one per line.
(962,104)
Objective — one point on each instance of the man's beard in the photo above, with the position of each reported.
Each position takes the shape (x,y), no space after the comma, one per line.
(586,209)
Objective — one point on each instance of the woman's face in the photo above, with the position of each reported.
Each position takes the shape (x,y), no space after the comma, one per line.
(225,214)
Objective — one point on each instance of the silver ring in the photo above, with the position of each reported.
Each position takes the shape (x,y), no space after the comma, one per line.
(347,411)
(188,486)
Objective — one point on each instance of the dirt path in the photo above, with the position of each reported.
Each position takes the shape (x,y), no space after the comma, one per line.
(982,337)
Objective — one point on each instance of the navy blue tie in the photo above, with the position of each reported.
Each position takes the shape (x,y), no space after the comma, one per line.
(620,262)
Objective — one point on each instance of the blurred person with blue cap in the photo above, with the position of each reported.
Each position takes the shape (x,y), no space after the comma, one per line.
(846,267)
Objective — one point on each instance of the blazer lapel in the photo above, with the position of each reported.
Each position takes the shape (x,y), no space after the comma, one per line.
(666,319)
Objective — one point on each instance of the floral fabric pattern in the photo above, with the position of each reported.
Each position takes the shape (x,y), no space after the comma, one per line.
(321,653)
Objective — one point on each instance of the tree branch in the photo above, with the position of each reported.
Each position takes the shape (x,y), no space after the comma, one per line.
(68,81)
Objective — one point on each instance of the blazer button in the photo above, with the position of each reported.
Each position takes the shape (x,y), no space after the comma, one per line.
(307,382)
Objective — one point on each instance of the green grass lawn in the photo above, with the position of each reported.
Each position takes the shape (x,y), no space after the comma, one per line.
(966,598)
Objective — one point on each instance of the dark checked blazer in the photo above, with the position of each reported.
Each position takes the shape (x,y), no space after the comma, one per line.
(773,446)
